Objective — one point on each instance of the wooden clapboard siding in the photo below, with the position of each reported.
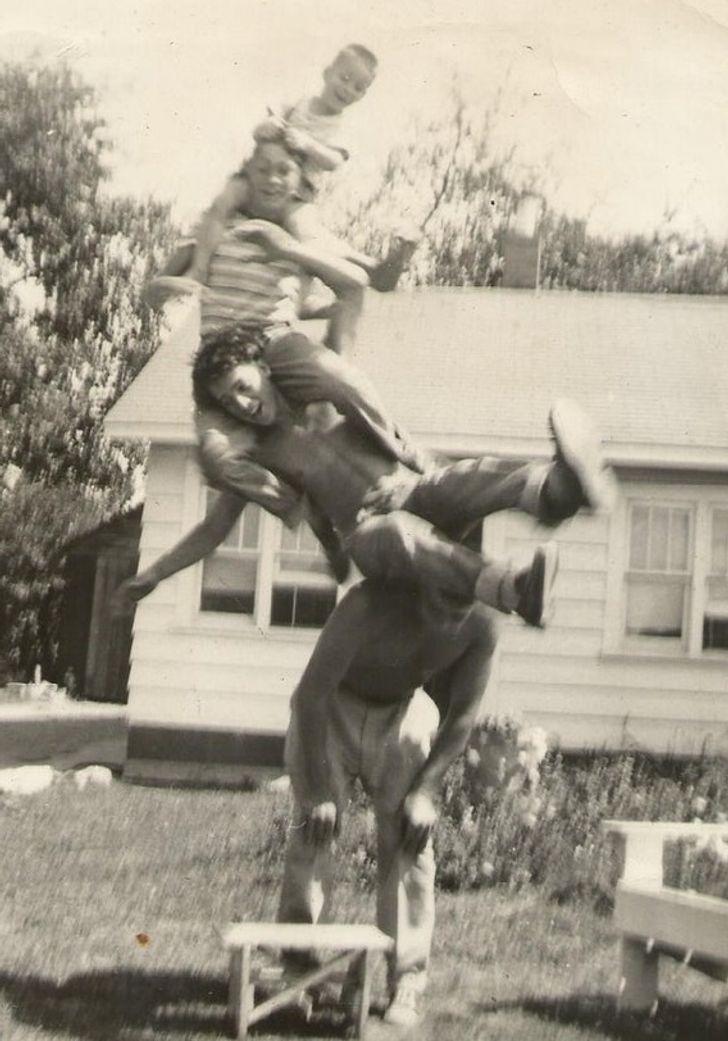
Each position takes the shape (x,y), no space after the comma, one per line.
(200,671)
(563,680)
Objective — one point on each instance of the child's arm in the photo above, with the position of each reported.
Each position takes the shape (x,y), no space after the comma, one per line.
(212,226)
(339,274)
(325,157)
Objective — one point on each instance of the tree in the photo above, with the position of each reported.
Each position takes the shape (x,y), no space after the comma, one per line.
(73,334)
(448,176)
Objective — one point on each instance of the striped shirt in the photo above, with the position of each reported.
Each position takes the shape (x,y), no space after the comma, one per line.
(244,285)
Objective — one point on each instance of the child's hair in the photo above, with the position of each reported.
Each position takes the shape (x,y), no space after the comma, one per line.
(361,52)
(220,351)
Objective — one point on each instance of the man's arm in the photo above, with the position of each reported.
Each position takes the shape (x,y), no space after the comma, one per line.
(468,678)
(196,544)
(335,648)
(339,274)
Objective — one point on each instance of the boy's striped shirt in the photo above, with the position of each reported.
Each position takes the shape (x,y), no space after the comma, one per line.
(245,286)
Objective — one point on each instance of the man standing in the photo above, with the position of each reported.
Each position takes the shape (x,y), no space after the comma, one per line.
(359,712)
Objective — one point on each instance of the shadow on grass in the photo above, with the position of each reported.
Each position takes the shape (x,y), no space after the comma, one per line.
(672,1022)
(103,1006)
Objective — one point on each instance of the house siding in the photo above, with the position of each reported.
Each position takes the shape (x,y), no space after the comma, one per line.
(563,680)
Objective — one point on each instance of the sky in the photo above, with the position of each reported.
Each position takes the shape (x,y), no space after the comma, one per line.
(620,106)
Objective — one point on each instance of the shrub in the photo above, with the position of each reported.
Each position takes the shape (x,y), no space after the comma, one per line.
(535,820)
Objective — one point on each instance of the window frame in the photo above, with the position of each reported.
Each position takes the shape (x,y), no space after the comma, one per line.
(701,499)
(189,611)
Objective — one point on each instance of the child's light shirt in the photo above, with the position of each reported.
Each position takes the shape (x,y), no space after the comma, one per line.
(245,285)
(325,129)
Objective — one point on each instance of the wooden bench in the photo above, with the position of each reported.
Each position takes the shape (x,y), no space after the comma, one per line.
(655,919)
(356,944)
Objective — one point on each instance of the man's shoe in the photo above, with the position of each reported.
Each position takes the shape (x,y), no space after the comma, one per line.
(579,476)
(535,587)
(402,1010)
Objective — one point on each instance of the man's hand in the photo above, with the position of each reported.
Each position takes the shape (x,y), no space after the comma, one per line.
(322,823)
(389,493)
(132,590)
(419,816)
(275,240)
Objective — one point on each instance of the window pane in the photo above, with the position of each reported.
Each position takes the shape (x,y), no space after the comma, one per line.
(304,593)
(228,583)
(659,532)
(251,527)
(679,539)
(301,607)
(639,536)
(719,543)
(229,575)
(715,634)
(655,608)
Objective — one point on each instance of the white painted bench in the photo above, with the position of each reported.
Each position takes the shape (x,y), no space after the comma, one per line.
(357,945)
(655,919)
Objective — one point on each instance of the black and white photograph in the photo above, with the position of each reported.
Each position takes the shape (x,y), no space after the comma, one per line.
(364,520)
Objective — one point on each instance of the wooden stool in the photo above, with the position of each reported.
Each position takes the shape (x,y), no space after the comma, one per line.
(358,943)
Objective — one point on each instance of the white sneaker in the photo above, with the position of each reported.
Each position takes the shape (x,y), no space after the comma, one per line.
(402,1010)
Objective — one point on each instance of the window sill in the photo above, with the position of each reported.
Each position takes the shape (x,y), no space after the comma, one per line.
(628,654)
(211,623)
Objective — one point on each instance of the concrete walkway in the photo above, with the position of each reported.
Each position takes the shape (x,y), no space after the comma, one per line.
(64,734)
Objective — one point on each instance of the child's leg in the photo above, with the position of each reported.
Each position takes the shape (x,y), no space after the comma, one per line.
(180,260)
(187,268)
(304,224)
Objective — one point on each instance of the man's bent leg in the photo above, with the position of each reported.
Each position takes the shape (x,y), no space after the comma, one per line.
(306,372)
(456,496)
(403,549)
(395,749)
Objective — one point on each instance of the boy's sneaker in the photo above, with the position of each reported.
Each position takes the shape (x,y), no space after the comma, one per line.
(579,476)
(535,586)
(402,1010)
(164,288)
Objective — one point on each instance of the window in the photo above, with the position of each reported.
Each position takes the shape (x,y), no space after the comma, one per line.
(658,574)
(668,582)
(715,617)
(304,593)
(275,576)
(229,576)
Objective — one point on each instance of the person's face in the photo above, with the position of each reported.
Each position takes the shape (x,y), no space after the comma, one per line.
(346,80)
(274,177)
(246,392)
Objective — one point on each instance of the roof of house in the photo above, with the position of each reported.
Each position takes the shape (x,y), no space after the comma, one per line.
(476,369)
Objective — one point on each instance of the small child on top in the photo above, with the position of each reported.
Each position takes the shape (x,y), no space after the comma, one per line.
(313,128)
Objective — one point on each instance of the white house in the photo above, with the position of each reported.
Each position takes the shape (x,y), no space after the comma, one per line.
(637,655)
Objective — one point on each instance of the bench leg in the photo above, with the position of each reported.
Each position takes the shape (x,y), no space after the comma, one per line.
(240,1000)
(365,994)
(638,966)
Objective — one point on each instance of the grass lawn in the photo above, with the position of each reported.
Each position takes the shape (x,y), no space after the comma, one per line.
(111,898)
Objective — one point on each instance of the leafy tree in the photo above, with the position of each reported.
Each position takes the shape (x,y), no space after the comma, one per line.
(73,334)
(447,176)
